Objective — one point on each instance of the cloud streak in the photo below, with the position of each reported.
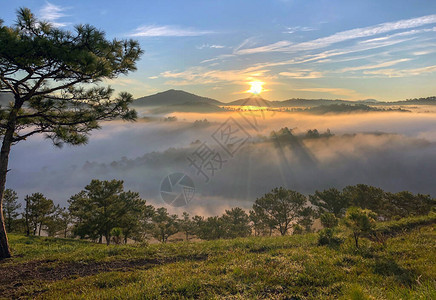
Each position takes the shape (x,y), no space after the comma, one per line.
(401,73)
(286,46)
(202,75)
(376,66)
(208,46)
(167,31)
(302,74)
(53,13)
(294,29)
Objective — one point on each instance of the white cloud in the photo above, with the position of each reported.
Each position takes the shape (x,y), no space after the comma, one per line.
(202,75)
(376,66)
(167,30)
(213,46)
(404,33)
(268,48)
(368,31)
(285,46)
(298,28)
(53,13)
(418,53)
(302,74)
(401,73)
(250,42)
(317,57)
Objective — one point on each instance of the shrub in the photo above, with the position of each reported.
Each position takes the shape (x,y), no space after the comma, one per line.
(329,220)
(297,229)
(327,237)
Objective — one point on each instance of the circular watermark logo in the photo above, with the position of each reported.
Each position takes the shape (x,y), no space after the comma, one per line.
(177,189)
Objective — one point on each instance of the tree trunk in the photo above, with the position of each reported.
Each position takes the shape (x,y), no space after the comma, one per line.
(4,160)
(27,225)
(4,245)
(356,240)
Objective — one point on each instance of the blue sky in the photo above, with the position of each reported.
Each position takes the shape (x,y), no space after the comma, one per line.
(310,49)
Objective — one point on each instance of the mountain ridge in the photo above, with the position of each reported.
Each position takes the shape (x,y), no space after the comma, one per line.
(179,97)
(173,97)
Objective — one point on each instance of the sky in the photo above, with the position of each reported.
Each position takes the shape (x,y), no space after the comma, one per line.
(363,49)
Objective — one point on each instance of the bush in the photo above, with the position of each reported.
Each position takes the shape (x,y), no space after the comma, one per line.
(116,234)
(329,220)
(327,237)
(405,224)
(297,229)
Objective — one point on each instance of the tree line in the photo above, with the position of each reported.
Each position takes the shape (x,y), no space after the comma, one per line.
(104,212)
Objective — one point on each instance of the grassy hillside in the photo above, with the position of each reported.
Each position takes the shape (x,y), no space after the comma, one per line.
(290,267)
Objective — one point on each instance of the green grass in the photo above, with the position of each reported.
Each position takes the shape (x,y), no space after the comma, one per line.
(290,267)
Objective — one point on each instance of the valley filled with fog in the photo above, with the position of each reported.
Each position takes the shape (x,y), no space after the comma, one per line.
(393,150)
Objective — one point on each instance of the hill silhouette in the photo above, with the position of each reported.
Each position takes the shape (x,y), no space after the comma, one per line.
(178,100)
(251,101)
(173,97)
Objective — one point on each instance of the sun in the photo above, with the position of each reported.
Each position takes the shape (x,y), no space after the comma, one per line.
(256,87)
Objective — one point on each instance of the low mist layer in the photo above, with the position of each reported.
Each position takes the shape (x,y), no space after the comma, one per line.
(391,150)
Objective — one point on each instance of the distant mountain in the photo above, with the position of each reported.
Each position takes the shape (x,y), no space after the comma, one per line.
(173,97)
(251,101)
(416,101)
(309,102)
(368,101)
(177,100)
(345,108)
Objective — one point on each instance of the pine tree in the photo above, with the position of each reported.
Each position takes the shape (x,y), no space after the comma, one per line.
(10,208)
(52,76)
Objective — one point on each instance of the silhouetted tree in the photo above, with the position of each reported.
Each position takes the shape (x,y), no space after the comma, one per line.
(104,205)
(312,134)
(236,223)
(330,200)
(307,215)
(360,221)
(280,208)
(10,208)
(51,74)
(329,220)
(211,228)
(117,234)
(133,211)
(165,224)
(258,224)
(405,204)
(187,225)
(38,211)
(58,222)
(366,197)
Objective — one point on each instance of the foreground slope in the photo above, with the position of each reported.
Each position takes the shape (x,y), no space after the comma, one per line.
(290,267)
